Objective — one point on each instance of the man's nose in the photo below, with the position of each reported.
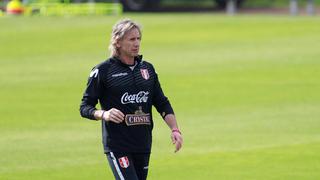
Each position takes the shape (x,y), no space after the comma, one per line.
(137,43)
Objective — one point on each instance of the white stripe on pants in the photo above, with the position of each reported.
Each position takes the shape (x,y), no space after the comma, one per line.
(116,166)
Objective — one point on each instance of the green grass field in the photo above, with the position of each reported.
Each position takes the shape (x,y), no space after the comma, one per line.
(245,91)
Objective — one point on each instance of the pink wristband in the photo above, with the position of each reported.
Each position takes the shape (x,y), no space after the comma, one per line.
(176,130)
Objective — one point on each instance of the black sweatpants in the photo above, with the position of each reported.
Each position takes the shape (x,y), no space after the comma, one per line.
(129,166)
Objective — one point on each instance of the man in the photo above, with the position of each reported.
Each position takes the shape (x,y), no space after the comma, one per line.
(126,87)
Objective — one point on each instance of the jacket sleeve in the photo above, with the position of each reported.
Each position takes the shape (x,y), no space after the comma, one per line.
(91,95)
(159,100)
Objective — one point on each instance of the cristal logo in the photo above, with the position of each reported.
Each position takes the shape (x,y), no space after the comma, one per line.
(140,97)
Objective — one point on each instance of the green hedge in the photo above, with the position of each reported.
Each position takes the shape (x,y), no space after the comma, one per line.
(73,9)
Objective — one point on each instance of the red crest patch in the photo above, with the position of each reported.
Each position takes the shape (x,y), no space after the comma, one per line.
(145,73)
(124,162)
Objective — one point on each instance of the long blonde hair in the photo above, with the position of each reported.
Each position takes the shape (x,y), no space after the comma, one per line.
(119,30)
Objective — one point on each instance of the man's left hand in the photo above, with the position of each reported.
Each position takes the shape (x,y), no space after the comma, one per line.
(177,139)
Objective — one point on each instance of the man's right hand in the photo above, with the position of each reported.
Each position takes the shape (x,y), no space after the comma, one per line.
(113,115)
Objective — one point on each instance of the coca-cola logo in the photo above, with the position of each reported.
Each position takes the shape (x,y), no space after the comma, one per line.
(140,97)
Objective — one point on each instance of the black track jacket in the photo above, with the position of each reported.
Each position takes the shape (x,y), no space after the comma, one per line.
(133,92)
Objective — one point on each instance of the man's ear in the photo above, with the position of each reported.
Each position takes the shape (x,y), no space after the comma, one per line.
(118,44)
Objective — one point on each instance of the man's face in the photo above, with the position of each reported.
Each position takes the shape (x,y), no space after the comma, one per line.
(129,45)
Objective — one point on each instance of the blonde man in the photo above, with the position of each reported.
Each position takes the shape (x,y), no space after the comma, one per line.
(127,87)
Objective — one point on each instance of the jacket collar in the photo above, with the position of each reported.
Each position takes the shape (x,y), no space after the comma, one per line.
(137,59)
